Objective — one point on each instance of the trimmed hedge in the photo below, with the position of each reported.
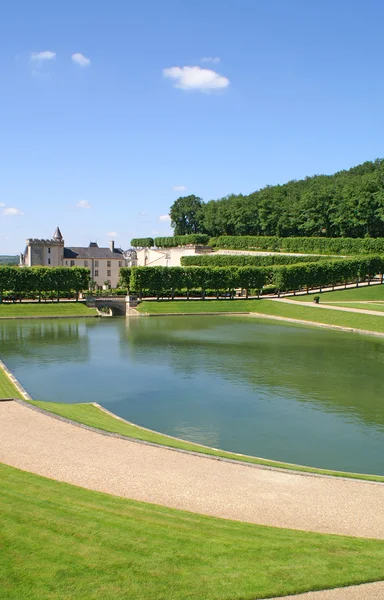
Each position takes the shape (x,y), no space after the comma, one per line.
(166,281)
(312,245)
(147,242)
(37,280)
(182,240)
(242,260)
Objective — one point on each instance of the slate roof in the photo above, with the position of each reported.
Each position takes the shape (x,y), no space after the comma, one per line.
(57,235)
(93,252)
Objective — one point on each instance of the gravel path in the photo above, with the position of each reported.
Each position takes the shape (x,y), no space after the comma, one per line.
(330,307)
(369,591)
(41,444)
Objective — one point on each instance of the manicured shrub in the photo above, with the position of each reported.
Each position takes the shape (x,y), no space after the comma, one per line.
(142,242)
(311,245)
(34,281)
(182,240)
(243,260)
(166,281)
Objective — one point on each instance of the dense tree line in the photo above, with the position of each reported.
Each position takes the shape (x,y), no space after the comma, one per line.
(346,204)
(171,281)
(244,260)
(28,281)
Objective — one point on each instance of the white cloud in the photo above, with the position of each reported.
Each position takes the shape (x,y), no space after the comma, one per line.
(112,234)
(10,212)
(196,78)
(211,59)
(83,204)
(2,204)
(179,188)
(164,218)
(81,60)
(40,56)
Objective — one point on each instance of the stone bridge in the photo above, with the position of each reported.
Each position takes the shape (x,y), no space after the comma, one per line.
(116,305)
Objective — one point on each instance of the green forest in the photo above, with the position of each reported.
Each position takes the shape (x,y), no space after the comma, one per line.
(346,204)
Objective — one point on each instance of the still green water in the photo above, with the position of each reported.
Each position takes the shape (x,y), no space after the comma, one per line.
(295,394)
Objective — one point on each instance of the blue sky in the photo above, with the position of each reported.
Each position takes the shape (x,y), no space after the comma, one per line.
(102,116)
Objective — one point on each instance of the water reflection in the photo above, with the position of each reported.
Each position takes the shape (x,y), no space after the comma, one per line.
(34,340)
(341,372)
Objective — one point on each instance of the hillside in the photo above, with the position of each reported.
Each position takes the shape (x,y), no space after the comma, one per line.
(346,204)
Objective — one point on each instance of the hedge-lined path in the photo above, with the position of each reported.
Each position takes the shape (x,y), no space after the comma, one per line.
(42,444)
(368,591)
(331,307)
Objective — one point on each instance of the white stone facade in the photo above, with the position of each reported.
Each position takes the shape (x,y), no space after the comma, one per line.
(167,257)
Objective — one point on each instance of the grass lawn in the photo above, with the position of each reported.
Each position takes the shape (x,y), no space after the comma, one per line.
(7,389)
(196,306)
(305,312)
(91,415)
(370,292)
(329,317)
(61,542)
(360,305)
(51,309)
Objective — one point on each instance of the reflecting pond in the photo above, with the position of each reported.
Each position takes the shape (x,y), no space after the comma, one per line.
(295,394)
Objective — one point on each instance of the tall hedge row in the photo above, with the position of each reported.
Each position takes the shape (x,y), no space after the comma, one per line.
(58,280)
(182,240)
(312,245)
(147,242)
(242,260)
(326,272)
(160,281)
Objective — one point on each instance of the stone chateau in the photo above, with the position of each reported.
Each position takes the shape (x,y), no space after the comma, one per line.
(104,263)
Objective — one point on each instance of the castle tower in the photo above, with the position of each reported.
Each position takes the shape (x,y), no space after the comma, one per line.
(57,235)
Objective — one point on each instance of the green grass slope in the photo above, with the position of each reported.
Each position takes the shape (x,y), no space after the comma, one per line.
(7,389)
(91,415)
(196,306)
(60,542)
(370,292)
(303,311)
(311,313)
(376,306)
(51,309)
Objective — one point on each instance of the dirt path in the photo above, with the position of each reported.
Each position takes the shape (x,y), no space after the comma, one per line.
(42,444)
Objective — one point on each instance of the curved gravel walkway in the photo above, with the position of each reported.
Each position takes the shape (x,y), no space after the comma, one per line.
(368,591)
(41,444)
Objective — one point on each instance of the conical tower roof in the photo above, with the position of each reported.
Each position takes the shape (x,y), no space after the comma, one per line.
(57,235)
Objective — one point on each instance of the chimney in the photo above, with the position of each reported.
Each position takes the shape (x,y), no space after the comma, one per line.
(112,246)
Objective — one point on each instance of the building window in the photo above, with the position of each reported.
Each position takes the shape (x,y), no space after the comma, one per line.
(108,273)
(96,263)
(120,263)
(49,261)
(96,273)
(85,263)
(66,262)
(72,263)
(49,251)
(108,263)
